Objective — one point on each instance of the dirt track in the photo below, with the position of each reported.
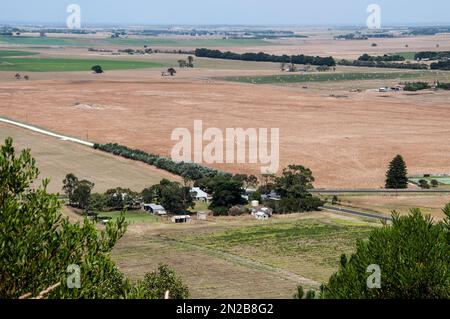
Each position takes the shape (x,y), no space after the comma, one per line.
(347,142)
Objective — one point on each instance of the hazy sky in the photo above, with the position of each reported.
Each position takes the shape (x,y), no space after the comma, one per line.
(278,12)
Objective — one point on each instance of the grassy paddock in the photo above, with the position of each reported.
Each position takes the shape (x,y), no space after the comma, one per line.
(131,216)
(12,53)
(219,257)
(324,77)
(65,65)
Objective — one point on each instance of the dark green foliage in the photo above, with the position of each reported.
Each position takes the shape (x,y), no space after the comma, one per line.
(413,255)
(157,283)
(120,199)
(383,58)
(432,55)
(227,192)
(441,65)
(300,293)
(344,260)
(264,57)
(311,294)
(434,183)
(97,69)
(78,192)
(38,244)
(416,86)
(69,185)
(293,186)
(443,86)
(82,194)
(424,184)
(397,174)
(172,196)
(177,168)
(335,200)
(255,196)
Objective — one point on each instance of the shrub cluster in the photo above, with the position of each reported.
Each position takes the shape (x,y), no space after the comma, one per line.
(416,86)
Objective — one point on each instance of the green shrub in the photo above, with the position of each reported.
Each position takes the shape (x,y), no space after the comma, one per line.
(416,86)
(164,279)
(413,255)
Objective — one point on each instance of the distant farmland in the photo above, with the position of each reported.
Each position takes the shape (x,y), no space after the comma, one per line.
(141,41)
(64,65)
(324,77)
(8,53)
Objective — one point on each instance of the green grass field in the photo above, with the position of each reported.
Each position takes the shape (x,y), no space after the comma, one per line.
(218,258)
(407,55)
(150,41)
(440,179)
(61,65)
(9,53)
(308,247)
(324,77)
(131,216)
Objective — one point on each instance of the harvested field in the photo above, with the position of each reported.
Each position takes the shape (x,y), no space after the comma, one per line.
(347,142)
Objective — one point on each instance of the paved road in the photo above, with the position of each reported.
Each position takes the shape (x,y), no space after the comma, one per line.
(45,132)
(354,212)
(379,191)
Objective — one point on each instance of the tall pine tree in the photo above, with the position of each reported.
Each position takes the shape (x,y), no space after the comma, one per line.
(397,174)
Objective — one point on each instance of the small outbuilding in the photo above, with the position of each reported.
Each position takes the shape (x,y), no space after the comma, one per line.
(181,219)
(202,215)
(261,216)
(155,209)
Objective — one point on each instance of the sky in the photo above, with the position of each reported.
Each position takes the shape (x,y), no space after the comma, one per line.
(229,12)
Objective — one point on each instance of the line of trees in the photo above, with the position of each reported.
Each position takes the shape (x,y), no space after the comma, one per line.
(432,55)
(381,58)
(167,164)
(416,86)
(443,86)
(264,57)
(382,64)
(441,65)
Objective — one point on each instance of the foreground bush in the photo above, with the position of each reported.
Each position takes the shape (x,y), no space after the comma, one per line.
(41,249)
(413,255)
(164,279)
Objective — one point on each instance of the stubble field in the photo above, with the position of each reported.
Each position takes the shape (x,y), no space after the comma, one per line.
(346,140)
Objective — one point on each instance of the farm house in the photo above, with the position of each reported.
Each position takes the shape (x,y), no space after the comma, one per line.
(200,195)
